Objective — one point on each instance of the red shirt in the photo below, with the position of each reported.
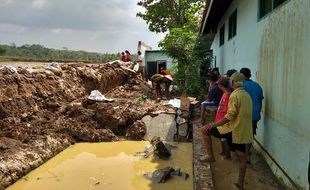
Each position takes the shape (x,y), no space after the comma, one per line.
(127,57)
(223,107)
(123,58)
(165,72)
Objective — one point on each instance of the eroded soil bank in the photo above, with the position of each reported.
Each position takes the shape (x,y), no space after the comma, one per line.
(44,111)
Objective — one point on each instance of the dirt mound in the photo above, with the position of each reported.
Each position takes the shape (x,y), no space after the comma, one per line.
(44,110)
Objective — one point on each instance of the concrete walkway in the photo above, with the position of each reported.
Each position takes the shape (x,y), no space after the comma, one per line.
(221,175)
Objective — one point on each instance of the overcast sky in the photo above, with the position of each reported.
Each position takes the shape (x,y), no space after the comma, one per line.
(90,25)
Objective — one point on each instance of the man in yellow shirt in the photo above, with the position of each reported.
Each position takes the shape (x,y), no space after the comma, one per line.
(238,120)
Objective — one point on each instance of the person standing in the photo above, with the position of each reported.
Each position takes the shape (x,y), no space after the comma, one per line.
(123,57)
(140,63)
(230,72)
(127,56)
(239,120)
(223,84)
(256,93)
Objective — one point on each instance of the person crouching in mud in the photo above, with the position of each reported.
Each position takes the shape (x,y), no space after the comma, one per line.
(159,81)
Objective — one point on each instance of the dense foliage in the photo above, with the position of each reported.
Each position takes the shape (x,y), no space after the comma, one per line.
(40,53)
(181,20)
(191,51)
(163,15)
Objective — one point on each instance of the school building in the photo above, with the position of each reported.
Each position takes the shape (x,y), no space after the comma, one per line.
(272,38)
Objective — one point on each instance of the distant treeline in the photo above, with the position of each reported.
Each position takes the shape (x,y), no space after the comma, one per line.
(38,52)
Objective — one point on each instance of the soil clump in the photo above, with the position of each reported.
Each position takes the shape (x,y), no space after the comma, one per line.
(43,111)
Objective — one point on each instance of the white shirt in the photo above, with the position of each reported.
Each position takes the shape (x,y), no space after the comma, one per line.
(140,60)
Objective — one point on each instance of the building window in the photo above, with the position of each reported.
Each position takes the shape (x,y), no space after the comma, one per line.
(266,6)
(222,35)
(277,3)
(232,25)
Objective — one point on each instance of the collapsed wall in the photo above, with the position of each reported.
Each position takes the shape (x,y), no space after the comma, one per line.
(46,110)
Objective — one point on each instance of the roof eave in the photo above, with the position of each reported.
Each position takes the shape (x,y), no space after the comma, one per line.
(214,11)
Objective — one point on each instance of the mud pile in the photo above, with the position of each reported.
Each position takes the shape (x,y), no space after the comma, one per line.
(43,111)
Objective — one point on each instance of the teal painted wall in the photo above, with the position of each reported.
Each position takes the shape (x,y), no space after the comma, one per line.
(155,56)
(158,56)
(277,50)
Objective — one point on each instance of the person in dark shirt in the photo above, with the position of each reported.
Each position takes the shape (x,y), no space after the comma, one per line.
(228,74)
(213,99)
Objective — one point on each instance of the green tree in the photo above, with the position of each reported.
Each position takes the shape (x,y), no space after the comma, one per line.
(37,52)
(163,15)
(181,20)
(190,50)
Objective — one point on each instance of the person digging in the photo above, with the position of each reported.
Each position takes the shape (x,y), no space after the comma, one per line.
(239,120)
(159,81)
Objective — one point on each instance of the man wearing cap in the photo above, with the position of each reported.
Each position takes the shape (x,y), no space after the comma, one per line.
(239,121)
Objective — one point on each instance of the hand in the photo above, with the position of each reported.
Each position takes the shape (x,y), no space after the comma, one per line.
(210,125)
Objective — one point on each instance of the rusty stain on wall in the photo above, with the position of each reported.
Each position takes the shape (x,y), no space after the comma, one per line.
(284,68)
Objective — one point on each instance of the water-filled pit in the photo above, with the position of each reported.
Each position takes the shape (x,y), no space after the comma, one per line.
(112,166)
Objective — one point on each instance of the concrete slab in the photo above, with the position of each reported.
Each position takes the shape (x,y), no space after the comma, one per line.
(163,126)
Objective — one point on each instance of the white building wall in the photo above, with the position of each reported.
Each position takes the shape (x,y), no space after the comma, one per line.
(277,50)
(241,50)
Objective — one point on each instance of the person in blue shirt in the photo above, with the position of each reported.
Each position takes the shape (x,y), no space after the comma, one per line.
(256,93)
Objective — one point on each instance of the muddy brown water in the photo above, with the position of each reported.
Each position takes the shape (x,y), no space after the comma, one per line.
(110,166)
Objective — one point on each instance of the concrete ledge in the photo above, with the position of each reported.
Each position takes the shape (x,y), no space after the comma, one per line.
(202,170)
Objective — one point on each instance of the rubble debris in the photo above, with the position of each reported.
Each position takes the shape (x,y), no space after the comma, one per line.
(136,131)
(177,172)
(55,68)
(147,152)
(8,70)
(160,149)
(97,96)
(162,175)
(175,102)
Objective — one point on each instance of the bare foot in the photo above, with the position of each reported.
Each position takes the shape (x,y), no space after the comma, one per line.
(206,159)
(238,186)
(226,157)
(222,153)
